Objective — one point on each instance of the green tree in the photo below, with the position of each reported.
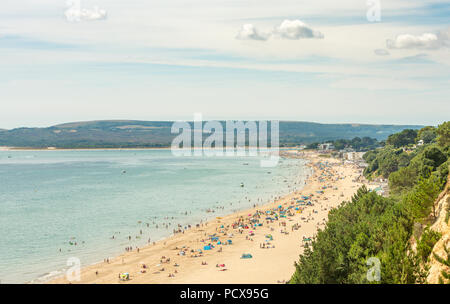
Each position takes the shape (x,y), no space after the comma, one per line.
(402,180)
(443,132)
(404,138)
(312,146)
(445,275)
(426,243)
(427,134)
(420,200)
(367,226)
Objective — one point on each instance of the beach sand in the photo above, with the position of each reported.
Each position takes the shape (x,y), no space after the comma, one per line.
(267,265)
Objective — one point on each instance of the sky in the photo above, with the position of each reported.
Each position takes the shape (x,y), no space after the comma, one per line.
(328,61)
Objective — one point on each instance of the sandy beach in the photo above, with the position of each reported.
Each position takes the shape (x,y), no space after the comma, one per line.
(273,237)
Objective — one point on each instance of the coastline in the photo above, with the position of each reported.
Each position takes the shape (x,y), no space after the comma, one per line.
(80,149)
(267,265)
(6,148)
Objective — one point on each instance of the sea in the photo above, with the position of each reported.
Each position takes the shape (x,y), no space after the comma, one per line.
(59,204)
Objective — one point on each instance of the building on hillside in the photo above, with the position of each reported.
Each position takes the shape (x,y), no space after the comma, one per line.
(325,147)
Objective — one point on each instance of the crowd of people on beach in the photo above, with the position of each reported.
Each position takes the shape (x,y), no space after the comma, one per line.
(261,224)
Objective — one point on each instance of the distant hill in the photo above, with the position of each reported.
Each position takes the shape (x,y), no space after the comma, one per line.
(133,133)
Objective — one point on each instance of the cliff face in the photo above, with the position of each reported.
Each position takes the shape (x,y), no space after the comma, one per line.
(441,225)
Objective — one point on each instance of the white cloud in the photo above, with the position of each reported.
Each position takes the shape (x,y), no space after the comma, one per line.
(381,52)
(75,13)
(408,41)
(424,41)
(288,29)
(249,32)
(296,29)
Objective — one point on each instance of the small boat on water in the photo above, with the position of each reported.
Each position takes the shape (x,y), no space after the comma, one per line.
(242,184)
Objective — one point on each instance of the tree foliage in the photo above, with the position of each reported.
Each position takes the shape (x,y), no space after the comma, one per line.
(427,134)
(385,161)
(404,138)
(443,132)
(426,243)
(368,226)
(444,278)
(374,226)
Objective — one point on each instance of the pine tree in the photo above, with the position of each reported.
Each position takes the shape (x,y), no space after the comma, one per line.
(444,278)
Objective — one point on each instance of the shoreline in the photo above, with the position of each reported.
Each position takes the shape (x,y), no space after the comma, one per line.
(6,148)
(184,269)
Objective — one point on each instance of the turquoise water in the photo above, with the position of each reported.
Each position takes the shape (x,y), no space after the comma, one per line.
(51,198)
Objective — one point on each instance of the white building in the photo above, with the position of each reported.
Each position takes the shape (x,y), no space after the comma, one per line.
(326,146)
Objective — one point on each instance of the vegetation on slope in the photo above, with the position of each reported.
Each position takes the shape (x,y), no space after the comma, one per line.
(444,278)
(357,144)
(131,133)
(374,226)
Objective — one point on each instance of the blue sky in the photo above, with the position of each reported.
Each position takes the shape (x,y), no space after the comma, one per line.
(320,61)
